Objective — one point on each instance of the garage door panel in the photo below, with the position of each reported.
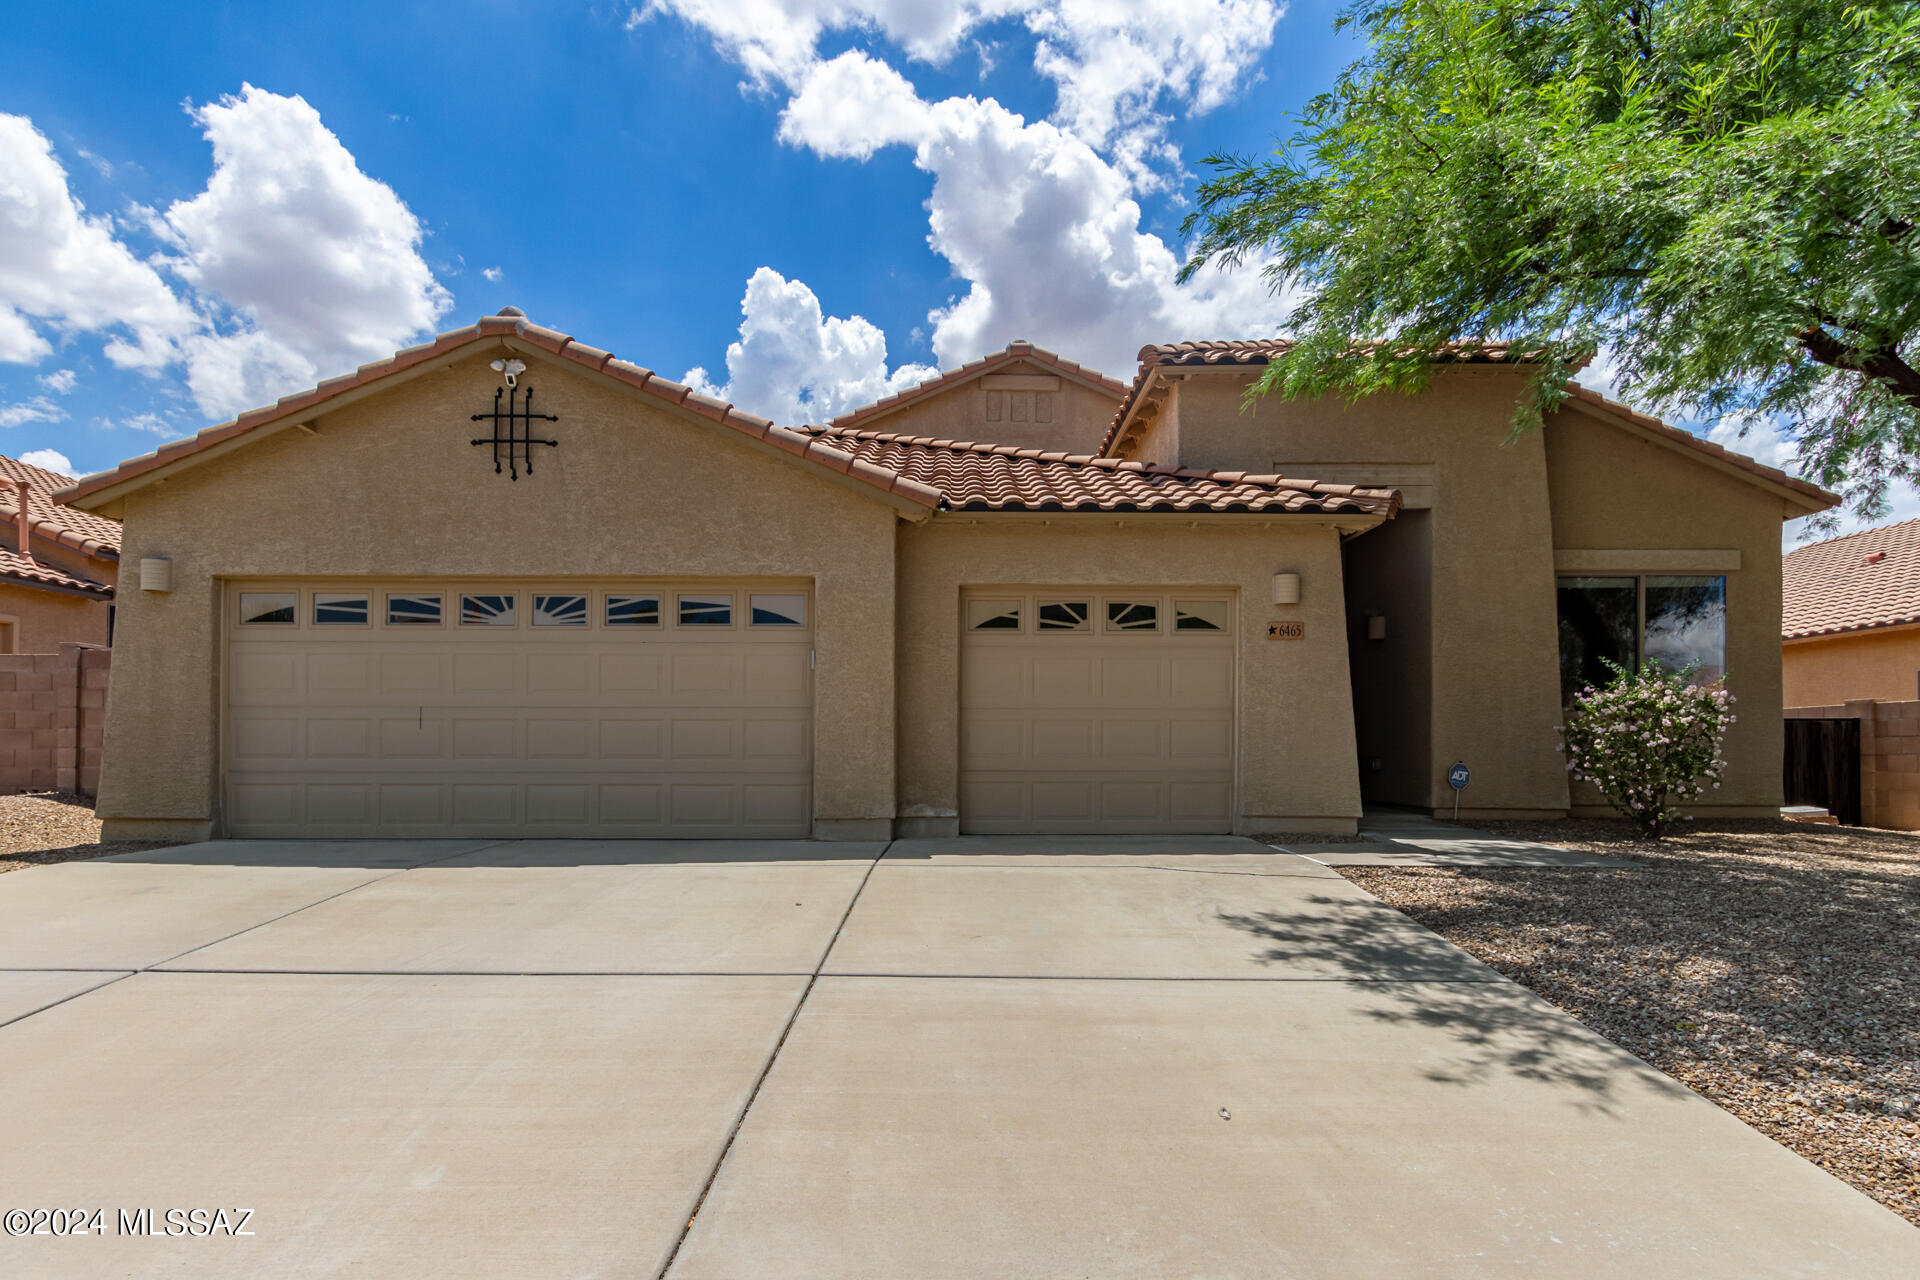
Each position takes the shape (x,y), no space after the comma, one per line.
(1107,729)
(413,673)
(486,673)
(595,730)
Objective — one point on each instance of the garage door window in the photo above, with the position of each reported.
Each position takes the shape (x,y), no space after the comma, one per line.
(993,615)
(413,611)
(706,611)
(487,611)
(777,611)
(559,611)
(1133,615)
(337,610)
(261,609)
(1199,615)
(633,611)
(1062,615)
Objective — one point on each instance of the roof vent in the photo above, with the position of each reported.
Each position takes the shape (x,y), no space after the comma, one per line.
(1875,557)
(511,311)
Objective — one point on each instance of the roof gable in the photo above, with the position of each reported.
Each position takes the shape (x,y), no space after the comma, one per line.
(1013,354)
(513,331)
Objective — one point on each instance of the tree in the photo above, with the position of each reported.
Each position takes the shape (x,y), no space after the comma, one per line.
(1719,194)
(1649,740)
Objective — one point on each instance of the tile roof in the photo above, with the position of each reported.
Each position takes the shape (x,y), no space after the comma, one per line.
(81,530)
(20,569)
(509,324)
(972,476)
(1014,351)
(1851,583)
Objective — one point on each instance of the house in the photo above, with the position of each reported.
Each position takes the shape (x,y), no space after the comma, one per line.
(57,565)
(1850,621)
(503,583)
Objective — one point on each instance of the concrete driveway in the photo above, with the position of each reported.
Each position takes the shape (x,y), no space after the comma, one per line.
(956,1058)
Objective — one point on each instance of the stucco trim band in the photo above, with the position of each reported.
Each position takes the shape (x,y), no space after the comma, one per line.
(1629,560)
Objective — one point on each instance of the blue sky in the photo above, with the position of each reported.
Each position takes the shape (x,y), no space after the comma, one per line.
(205,207)
(622,170)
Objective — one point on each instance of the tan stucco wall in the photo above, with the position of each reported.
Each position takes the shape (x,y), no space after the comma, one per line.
(1876,664)
(390,486)
(45,620)
(1615,490)
(1294,704)
(1081,414)
(1495,683)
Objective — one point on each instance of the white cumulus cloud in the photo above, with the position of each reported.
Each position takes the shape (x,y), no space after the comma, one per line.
(48,460)
(38,409)
(62,270)
(60,381)
(795,364)
(319,262)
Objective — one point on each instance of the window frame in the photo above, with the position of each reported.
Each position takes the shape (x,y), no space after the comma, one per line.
(334,600)
(240,606)
(1639,579)
(386,609)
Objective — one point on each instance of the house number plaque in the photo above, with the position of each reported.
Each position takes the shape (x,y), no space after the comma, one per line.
(1286,631)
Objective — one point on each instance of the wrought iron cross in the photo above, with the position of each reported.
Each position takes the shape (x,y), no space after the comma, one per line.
(516,421)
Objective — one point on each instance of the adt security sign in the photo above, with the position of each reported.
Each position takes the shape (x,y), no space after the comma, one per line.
(1458,777)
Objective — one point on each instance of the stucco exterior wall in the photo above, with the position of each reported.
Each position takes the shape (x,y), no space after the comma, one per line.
(1080,414)
(390,486)
(45,620)
(1294,704)
(1495,684)
(1615,491)
(1884,665)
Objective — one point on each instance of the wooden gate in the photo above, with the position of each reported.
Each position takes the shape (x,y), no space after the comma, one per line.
(1822,766)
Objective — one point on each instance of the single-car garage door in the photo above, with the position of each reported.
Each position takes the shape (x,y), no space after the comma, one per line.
(1096,711)
(518,708)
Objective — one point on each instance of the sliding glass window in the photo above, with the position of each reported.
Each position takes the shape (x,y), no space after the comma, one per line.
(1677,622)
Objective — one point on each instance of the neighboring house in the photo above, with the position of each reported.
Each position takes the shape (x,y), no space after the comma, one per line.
(57,565)
(379,609)
(1850,625)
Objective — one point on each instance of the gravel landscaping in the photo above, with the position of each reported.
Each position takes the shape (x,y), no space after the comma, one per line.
(44,828)
(1773,967)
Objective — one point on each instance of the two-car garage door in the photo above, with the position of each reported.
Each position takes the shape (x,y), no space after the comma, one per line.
(519,708)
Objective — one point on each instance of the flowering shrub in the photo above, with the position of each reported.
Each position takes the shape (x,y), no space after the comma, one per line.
(1650,741)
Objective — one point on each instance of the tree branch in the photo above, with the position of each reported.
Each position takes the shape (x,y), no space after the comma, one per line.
(1882,364)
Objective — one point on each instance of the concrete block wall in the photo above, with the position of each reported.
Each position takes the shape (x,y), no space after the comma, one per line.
(53,710)
(1889,758)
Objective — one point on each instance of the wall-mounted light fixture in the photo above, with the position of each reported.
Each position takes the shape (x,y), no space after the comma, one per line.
(1377,626)
(1286,588)
(156,573)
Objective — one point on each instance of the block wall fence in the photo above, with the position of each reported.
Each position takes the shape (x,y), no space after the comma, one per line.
(53,710)
(1889,758)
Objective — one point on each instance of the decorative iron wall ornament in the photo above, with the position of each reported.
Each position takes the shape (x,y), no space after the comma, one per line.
(513,437)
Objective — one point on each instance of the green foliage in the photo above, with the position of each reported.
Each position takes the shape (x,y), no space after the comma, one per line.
(1650,741)
(1722,194)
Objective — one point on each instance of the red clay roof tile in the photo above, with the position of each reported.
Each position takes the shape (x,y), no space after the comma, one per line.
(998,477)
(20,569)
(1852,583)
(81,530)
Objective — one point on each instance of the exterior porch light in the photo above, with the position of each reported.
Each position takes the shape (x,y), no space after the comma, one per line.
(1286,588)
(156,574)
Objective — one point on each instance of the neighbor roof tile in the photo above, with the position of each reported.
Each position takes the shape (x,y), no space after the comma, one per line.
(1852,583)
